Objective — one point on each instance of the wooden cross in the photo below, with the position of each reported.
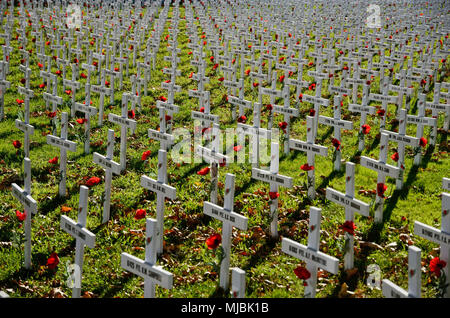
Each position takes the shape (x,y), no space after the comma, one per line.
(229,220)
(311,254)
(275,180)
(441,237)
(364,109)
(64,145)
(214,157)
(110,167)
(390,290)
(383,170)
(351,205)
(338,124)
(74,85)
(237,283)
(30,207)
(402,140)
(78,230)
(88,112)
(103,91)
(311,150)
(4,85)
(147,269)
(125,123)
(163,191)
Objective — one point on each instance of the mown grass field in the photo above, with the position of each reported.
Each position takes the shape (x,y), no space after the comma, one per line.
(269,271)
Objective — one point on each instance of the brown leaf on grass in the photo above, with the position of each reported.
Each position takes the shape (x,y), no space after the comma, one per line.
(345,293)
(370,245)
(138,248)
(406,239)
(55,293)
(65,209)
(88,294)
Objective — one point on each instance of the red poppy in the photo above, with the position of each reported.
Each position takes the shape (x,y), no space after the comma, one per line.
(381,189)
(140,214)
(395,156)
(131,114)
(190,53)
(51,114)
(348,227)
(83,75)
(423,142)
(247,72)
(307,167)
(365,129)
(273,195)
(93,181)
(233,61)
(211,58)
(58,72)
(95,63)
(215,66)
(168,118)
(107,83)
(75,60)
(336,144)
(221,79)
(381,112)
(312,112)
(436,265)
(269,107)
(281,58)
(302,273)
(163,98)
(21,216)
(242,119)
(81,120)
(17,144)
(202,110)
(300,97)
(255,84)
(213,241)
(237,148)
(190,75)
(20,101)
(53,261)
(42,85)
(145,155)
(54,160)
(203,172)
(281,79)
(116,69)
(68,91)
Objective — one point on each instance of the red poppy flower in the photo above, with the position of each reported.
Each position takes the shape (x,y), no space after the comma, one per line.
(131,114)
(107,83)
(95,63)
(306,167)
(281,79)
(242,119)
(213,241)
(348,227)
(281,58)
(163,98)
(68,91)
(310,63)
(21,216)
(215,66)
(20,101)
(190,53)
(423,142)
(436,265)
(58,72)
(336,144)
(247,72)
(255,84)
(190,75)
(302,273)
(269,107)
(17,144)
(273,195)
(211,58)
(43,85)
(168,118)
(51,114)
(53,261)
(233,61)
(312,112)
(395,156)
(140,214)
(40,65)
(221,79)
(83,75)
(75,60)
(81,120)
(381,112)
(202,110)
(93,181)
(237,148)
(365,129)
(54,160)
(116,69)
(203,172)
(145,155)
(300,97)
(381,189)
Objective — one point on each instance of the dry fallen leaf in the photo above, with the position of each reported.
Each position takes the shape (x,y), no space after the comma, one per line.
(344,292)
(65,209)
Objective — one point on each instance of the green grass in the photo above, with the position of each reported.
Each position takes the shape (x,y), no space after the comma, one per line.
(269,271)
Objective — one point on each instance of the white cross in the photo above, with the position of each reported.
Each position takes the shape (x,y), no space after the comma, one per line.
(88,112)
(78,230)
(441,237)
(124,123)
(385,99)
(338,124)
(103,91)
(229,220)
(25,126)
(390,290)
(311,150)
(74,85)
(402,140)
(275,180)
(64,145)
(351,205)
(311,254)
(110,167)
(4,85)
(30,207)
(383,170)
(363,109)
(240,101)
(147,268)
(163,191)
(53,98)
(436,107)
